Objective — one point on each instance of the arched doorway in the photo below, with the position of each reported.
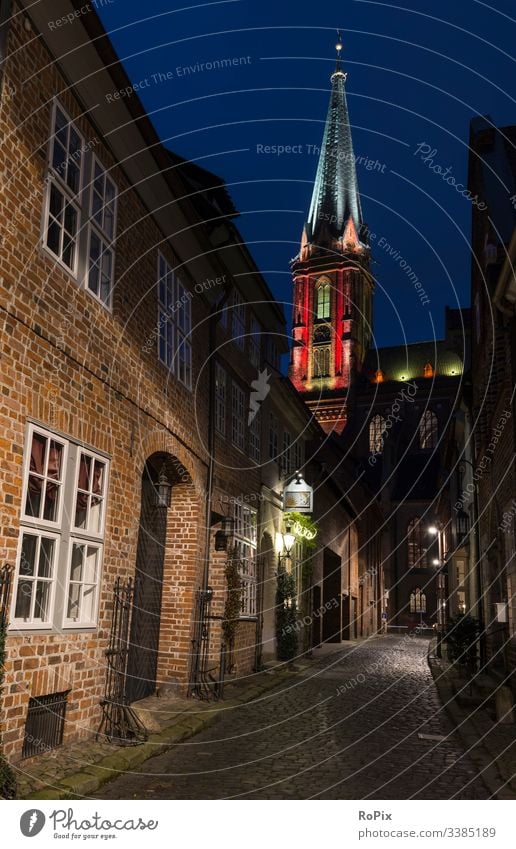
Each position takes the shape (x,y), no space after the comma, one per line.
(150,557)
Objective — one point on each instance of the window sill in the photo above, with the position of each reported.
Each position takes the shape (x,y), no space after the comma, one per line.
(27,631)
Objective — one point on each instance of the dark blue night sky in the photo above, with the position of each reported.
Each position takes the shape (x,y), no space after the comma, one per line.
(418,72)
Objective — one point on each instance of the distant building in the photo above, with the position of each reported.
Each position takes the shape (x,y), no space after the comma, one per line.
(492,174)
(390,406)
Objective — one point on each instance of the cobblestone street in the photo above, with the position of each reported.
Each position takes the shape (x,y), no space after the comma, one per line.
(346,729)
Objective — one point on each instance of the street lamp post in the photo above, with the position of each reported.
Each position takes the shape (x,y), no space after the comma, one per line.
(437,530)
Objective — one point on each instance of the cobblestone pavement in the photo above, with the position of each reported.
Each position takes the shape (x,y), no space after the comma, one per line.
(346,729)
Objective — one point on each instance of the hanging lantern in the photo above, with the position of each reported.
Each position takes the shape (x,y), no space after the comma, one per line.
(462,526)
(222,537)
(163,489)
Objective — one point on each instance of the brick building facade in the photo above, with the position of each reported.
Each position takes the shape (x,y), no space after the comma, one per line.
(142,399)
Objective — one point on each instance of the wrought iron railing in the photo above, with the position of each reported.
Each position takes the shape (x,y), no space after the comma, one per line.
(6,577)
(119,723)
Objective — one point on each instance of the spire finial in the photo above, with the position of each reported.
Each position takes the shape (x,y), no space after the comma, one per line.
(338,48)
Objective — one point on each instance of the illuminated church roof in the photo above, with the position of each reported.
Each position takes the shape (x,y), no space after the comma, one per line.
(410,362)
(335,196)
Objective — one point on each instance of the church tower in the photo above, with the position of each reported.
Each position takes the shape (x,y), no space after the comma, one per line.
(333,289)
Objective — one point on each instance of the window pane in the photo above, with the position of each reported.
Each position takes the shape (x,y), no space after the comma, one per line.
(28,555)
(42,604)
(51,502)
(33,501)
(90,565)
(88,603)
(56,202)
(77,562)
(23,599)
(74,602)
(53,234)
(46,557)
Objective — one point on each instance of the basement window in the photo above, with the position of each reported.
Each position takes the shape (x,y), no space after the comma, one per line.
(44,726)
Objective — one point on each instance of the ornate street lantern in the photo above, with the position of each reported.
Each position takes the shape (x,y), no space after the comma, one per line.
(163,489)
(462,526)
(222,537)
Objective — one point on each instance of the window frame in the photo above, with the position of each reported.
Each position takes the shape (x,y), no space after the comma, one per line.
(249,545)
(323,304)
(238,416)
(428,431)
(82,204)
(255,339)
(93,227)
(415,544)
(376,429)
(238,320)
(273,437)
(181,299)
(17,624)
(221,399)
(64,532)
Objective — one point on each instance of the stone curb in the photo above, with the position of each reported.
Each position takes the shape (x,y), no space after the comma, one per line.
(493,774)
(91,778)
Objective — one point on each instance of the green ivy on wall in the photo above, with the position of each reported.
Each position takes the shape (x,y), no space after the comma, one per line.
(286,615)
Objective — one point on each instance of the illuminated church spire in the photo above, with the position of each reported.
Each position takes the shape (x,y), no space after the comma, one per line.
(335,195)
(332,285)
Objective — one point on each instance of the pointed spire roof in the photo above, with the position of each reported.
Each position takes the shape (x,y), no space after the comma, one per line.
(335,196)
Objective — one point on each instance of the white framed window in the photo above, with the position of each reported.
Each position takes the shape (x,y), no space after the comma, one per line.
(273,437)
(102,217)
(255,439)
(237,416)
(298,455)
(36,578)
(79,216)
(286,456)
(246,552)
(238,313)
(61,535)
(174,323)
(255,343)
(220,399)
(64,182)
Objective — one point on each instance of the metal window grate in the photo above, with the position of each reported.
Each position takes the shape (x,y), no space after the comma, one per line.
(45,724)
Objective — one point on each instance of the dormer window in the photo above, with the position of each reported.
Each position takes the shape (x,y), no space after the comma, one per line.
(428,370)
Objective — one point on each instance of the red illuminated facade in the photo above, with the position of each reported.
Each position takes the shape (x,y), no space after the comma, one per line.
(332,298)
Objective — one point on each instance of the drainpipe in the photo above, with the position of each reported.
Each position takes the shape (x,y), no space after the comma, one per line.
(201,638)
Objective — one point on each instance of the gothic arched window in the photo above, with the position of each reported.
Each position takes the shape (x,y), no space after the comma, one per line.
(428,430)
(376,429)
(417,601)
(428,370)
(415,544)
(323,299)
(321,361)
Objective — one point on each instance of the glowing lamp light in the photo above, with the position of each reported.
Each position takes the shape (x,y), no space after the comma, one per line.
(289,539)
(435,562)
(433,530)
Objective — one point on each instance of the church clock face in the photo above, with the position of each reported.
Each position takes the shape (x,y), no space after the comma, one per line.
(322,333)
